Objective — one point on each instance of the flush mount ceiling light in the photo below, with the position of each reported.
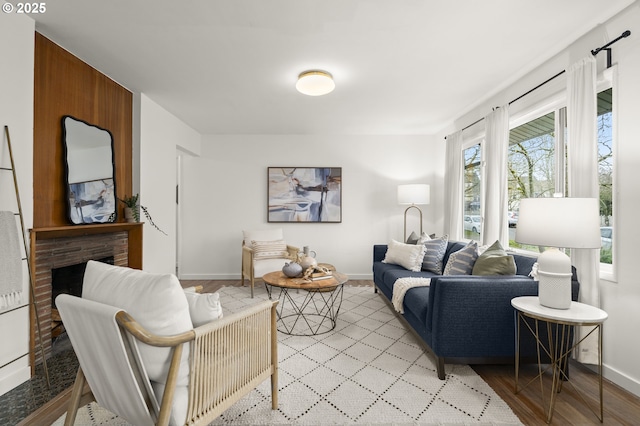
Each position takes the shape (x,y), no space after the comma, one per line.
(315,83)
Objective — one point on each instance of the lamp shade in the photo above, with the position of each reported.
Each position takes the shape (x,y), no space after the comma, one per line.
(559,222)
(315,83)
(413,194)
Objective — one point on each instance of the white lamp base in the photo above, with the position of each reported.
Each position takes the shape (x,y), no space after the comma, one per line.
(554,272)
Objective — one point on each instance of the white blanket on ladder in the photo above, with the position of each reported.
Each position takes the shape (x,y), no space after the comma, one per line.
(402,285)
(10,262)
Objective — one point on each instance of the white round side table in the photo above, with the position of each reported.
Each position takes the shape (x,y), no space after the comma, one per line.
(559,323)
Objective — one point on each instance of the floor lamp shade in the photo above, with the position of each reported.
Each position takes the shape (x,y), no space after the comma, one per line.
(557,223)
(412,195)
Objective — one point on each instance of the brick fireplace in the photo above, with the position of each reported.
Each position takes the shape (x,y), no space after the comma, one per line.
(59,247)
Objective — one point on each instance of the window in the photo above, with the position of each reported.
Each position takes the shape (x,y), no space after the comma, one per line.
(537,167)
(472,190)
(531,165)
(605,173)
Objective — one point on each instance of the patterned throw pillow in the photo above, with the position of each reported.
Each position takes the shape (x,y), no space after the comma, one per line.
(409,256)
(494,261)
(413,238)
(462,261)
(434,256)
(269,249)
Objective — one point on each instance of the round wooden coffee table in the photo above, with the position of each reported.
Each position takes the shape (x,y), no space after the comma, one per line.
(310,310)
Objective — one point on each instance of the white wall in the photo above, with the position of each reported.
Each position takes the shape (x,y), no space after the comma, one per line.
(161,134)
(225,191)
(619,298)
(16,111)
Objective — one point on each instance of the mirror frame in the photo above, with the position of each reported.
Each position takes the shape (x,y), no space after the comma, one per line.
(97,186)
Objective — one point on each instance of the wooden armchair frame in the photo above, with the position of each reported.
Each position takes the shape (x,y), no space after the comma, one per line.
(229,358)
(247,271)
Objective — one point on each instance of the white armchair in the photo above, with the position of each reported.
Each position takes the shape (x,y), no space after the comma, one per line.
(264,251)
(144,361)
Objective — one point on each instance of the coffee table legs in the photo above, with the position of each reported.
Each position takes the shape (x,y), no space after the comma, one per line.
(307,312)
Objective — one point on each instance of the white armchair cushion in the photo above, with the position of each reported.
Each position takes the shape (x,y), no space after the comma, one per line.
(261,267)
(156,301)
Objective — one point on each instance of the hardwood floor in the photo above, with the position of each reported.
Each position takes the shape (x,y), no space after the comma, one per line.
(620,406)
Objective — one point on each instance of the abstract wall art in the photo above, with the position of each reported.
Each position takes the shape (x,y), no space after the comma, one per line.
(304,194)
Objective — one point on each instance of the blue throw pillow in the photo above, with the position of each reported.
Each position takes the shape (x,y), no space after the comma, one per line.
(461,262)
(433,258)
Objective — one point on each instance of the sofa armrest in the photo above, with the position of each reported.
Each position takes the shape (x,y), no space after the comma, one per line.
(473,314)
(379,251)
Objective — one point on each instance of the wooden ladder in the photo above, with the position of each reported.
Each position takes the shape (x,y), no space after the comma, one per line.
(26,250)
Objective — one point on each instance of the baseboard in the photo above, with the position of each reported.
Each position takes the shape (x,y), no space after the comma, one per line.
(14,379)
(184,276)
(625,382)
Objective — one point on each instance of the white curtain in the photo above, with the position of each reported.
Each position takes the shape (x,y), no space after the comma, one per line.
(582,147)
(494,203)
(453,187)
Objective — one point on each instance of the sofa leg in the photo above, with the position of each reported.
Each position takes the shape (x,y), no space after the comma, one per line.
(440,367)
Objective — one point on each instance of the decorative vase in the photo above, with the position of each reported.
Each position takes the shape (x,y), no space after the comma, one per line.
(307,262)
(292,269)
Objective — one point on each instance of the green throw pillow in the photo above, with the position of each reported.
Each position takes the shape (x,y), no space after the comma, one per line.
(494,261)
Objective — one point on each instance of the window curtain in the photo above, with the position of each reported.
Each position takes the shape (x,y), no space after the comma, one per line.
(494,203)
(453,184)
(582,147)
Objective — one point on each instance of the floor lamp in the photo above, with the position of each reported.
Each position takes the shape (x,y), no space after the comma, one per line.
(558,222)
(413,194)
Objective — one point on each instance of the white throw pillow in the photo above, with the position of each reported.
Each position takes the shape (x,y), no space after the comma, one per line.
(203,307)
(409,256)
(269,249)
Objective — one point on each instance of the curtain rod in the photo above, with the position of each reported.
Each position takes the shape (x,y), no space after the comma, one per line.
(594,52)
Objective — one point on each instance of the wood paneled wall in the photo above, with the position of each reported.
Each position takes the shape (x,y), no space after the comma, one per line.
(64,85)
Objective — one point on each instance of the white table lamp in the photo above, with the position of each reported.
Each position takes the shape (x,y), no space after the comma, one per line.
(553,223)
(413,194)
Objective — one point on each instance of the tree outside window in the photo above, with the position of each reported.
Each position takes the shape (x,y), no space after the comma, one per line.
(472,223)
(532,172)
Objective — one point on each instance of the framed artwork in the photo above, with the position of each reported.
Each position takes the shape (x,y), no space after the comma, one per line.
(304,194)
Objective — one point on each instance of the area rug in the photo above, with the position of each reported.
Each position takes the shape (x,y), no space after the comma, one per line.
(369,370)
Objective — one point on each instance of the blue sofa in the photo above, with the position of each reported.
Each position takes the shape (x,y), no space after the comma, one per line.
(464,318)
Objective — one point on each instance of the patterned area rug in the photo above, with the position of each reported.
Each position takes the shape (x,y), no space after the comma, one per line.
(368,370)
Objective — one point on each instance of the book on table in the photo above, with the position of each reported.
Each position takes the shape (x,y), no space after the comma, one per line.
(316,276)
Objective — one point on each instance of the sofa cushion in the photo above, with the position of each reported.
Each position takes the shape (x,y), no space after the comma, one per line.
(434,256)
(462,261)
(416,301)
(494,261)
(524,263)
(408,256)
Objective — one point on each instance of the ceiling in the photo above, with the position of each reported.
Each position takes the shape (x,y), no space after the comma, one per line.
(401,67)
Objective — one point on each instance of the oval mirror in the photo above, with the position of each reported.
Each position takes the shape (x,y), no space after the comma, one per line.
(90,170)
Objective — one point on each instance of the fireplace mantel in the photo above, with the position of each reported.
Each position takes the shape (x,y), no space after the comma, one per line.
(133,229)
(60,246)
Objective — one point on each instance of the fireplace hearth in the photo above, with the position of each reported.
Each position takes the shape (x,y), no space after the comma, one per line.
(68,279)
(56,251)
